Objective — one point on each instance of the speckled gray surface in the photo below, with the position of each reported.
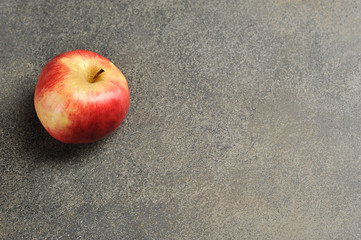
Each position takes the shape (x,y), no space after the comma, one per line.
(244,122)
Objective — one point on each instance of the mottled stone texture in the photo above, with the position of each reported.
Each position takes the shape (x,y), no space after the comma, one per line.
(244,121)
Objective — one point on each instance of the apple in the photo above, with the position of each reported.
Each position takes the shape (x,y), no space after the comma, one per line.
(81,97)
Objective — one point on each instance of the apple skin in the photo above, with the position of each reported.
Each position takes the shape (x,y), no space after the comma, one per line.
(78,103)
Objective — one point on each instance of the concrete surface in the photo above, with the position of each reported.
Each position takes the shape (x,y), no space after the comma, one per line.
(244,122)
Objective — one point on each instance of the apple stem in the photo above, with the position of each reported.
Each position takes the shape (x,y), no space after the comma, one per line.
(97,75)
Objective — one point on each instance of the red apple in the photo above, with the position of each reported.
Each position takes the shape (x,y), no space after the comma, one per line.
(81,97)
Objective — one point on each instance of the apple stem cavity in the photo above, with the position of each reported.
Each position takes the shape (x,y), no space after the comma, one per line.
(97,75)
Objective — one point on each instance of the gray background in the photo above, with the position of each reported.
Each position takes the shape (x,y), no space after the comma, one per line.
(244,122)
